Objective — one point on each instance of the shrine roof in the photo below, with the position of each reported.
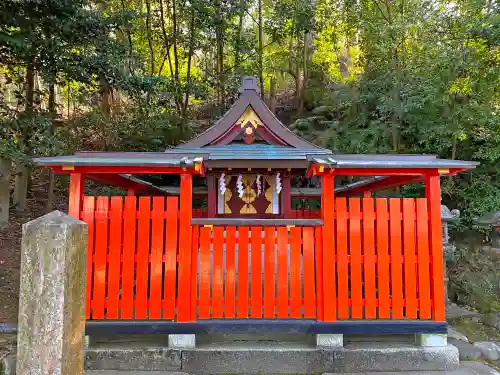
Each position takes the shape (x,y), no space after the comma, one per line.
(389,161)
(254,155)
(249,100)
(159,159)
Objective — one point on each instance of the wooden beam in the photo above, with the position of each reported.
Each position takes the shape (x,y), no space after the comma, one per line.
(76,191)
(131,327)
(128,170)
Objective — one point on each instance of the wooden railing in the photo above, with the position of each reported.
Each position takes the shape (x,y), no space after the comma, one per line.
(383,264)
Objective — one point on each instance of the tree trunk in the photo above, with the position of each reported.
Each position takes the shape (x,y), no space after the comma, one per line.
(305,75)
(50,173)
(220,56)
(272,95)
(298,87)
(22,172)
(21,186)
(238,37)
(5,166)
(261,73)
(130,45)
(396,112)
(168,45)
(176,53)
(150,38)
(190,55)
(30,88)
(105,97)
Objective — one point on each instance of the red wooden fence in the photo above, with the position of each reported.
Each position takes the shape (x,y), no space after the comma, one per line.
(381,256)
(255,272)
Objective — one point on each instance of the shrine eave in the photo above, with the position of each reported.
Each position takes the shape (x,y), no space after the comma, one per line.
(386,165)
(122,162)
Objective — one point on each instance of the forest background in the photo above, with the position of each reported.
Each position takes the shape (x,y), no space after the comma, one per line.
(355,76)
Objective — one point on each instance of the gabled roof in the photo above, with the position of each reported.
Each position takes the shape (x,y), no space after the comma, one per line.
(249,98)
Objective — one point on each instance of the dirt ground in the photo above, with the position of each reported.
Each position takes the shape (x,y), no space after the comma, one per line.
(10,242)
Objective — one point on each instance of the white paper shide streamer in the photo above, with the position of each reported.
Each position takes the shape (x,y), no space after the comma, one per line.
(222,184)
(278,183)
(259,185)
(239,185)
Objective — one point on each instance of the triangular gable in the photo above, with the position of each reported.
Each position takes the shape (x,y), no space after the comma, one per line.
(249,107)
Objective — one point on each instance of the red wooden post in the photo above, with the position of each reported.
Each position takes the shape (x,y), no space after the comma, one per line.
(286,198)
(76,191)
(184,278)
(329,286)
(433,195)
(131,192)
(212,196)
(367,194)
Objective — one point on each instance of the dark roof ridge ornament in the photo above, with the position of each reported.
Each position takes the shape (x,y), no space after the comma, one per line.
(249,83)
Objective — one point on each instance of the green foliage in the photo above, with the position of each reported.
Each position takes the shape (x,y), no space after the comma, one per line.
(131,129)
(371,76)
(474,278)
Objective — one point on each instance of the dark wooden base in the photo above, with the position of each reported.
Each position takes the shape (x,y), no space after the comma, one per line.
(368,327)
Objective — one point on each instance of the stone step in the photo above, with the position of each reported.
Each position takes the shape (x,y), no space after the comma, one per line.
(466,368)
(274,358)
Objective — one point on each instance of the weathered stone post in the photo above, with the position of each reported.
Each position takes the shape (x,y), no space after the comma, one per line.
(51,325)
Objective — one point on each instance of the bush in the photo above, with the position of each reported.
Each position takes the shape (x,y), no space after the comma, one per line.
(129,128)
(474,278)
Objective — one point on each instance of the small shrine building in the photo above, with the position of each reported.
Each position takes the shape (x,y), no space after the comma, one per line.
(358,263)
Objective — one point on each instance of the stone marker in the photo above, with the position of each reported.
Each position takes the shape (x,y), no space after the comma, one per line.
(51,324)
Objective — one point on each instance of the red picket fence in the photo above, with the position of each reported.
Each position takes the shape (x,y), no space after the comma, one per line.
(132,257)
(381,257)
(255,272)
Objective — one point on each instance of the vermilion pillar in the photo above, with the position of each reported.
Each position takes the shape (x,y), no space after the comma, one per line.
(329,286)
(185,215)
(433,195)
(76,191)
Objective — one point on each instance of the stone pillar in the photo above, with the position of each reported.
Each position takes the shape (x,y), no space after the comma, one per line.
(51,324)
(331,341)
(186,341)
(431,340)
(5,166)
